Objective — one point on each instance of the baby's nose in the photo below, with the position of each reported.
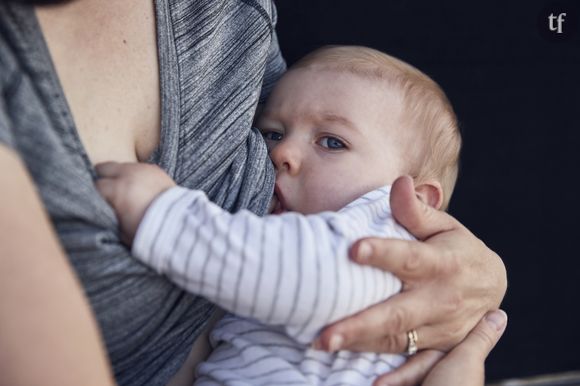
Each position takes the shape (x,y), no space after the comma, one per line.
(286,157)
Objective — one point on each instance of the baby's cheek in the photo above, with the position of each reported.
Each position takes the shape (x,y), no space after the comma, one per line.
(344,194)
(332,197)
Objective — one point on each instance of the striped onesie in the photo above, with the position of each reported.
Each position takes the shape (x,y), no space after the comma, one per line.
(282,277)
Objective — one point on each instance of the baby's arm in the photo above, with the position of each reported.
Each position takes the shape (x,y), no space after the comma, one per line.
(289,270)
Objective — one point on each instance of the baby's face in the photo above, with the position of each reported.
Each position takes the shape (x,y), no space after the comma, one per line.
(332,136)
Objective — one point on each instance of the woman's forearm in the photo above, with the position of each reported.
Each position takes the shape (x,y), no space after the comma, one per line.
(47,332)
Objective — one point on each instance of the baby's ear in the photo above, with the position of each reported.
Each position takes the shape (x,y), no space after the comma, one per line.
(431,193)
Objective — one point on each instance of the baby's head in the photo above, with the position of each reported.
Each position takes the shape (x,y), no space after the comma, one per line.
(346,120)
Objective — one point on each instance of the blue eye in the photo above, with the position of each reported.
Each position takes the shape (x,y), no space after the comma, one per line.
(332,143)
(272,136)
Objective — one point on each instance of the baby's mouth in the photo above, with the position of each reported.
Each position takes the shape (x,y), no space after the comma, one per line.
(277,205)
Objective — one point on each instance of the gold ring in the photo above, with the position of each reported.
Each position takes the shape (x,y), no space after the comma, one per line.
(412,346)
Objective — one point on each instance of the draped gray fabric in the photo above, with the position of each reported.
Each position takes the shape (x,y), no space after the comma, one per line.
(218,58)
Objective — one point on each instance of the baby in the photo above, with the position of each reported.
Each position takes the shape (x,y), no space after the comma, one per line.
(341,125)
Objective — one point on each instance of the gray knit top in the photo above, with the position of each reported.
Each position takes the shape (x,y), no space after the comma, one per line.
(217,59)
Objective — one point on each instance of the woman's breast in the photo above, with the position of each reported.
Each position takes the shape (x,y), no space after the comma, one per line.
(109,73)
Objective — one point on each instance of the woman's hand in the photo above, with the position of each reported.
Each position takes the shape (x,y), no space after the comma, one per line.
(463,366)
(450,280)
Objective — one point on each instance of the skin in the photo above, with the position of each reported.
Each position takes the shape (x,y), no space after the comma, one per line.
(52,315)
(117,46)
(444,294)
(47,332)
(463,366)
(433,271)
(109,61)
(309,145)
(332,137)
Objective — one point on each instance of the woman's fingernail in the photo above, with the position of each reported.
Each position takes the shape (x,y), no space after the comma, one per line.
(335,343)
(497,318)
(364,252)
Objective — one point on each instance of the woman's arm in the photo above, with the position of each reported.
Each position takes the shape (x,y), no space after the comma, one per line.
(47,333)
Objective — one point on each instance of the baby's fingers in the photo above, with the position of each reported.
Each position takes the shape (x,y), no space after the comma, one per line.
(108,169)
(106,187)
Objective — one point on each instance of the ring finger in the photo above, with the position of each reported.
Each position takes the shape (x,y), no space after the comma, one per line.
(394,317)
(427,338)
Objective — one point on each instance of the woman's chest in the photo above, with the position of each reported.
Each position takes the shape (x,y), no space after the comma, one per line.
(107,67)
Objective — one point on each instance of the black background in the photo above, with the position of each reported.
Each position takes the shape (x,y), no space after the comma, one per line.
(515,89)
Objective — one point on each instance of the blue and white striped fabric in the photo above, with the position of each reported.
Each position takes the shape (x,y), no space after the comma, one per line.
(284,277)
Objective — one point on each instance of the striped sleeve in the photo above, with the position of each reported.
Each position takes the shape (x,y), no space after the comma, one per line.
(290,270)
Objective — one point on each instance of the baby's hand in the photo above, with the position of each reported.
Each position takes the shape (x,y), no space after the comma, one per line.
(130,188)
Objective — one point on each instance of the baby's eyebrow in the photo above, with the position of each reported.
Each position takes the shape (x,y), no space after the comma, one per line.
(321,117)
(267,115)
(335,118)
